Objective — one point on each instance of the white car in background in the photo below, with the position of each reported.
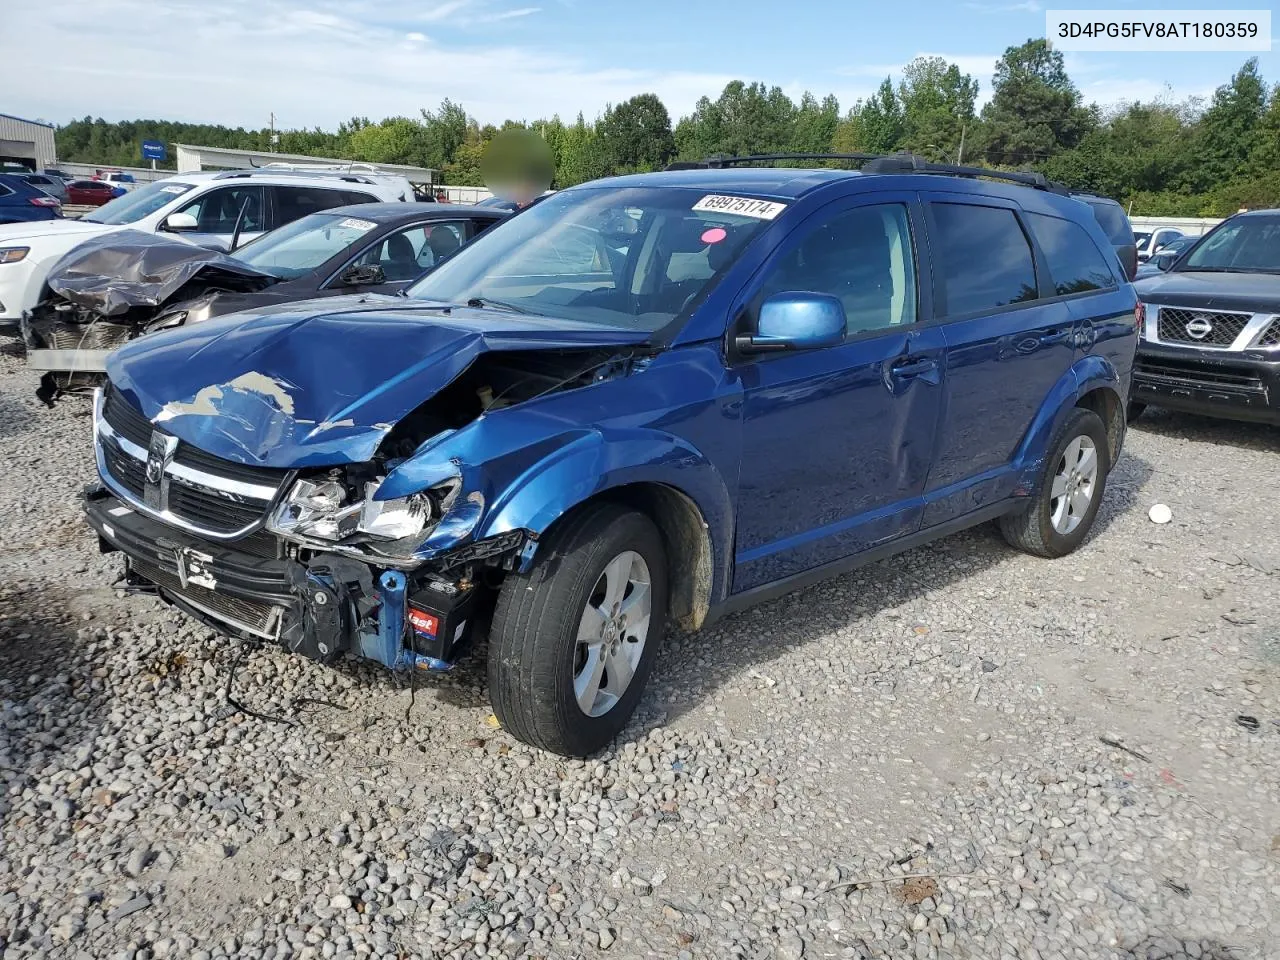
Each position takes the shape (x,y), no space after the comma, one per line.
(1150,242)
(208,209)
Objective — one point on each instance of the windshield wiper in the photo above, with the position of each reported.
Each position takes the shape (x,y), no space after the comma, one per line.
(479,303)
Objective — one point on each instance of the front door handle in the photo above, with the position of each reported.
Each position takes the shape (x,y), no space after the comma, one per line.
(915,368)
(1053,337)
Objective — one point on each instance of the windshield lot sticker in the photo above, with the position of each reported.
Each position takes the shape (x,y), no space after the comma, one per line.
(714,235)
(355,224)
(173,189)
(743,206)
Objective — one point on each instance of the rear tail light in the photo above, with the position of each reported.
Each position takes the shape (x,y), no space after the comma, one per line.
(1139,317)
(45,202)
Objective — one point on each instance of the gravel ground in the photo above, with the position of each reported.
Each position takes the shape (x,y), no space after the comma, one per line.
(961,752)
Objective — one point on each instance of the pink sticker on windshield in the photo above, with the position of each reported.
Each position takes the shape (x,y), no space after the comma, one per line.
(714,235)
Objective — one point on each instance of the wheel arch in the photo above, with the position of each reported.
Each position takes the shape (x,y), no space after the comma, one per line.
(1092,383)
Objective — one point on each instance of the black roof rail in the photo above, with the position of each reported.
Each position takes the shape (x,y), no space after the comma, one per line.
(884,163)
(720,161)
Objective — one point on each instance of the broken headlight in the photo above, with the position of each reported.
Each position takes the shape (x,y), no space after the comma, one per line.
(324,510)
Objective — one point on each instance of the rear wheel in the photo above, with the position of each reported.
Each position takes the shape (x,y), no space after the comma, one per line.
(574,639)
(1068,492)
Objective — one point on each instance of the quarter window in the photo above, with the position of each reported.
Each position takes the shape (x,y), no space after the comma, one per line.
(1074,261)
(862,257)
(984,257)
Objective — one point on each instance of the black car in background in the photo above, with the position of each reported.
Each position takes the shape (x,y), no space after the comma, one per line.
(118,286)
(1211,338)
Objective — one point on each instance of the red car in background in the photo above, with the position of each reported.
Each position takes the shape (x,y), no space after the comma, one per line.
(89,193)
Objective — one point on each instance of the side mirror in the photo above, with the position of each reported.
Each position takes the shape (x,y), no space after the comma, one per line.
(796,321)
(1164,261)
(180,223)
(361,275)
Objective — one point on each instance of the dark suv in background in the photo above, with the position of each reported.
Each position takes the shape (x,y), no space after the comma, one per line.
(1115,224)
(1211,340)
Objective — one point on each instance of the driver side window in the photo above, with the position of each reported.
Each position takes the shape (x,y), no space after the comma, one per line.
(864,258)
(218,210)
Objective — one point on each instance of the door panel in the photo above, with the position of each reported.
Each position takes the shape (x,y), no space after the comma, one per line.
(1005,351)
(837,443)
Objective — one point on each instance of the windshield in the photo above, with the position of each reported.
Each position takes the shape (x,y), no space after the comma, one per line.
(636,257)
(299,247)
(136,204)
(1246,245)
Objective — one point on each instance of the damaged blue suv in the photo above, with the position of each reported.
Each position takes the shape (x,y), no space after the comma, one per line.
(642,402)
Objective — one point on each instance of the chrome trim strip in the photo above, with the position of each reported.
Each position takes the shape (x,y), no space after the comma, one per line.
(239,488)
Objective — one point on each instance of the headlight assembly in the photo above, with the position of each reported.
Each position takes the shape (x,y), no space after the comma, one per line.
(324,510)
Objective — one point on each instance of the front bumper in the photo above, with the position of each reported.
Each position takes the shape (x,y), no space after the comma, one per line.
(320,607)
(1217,383)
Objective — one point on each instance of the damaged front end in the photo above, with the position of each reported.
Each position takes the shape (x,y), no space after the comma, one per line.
(116,287)
(325,560)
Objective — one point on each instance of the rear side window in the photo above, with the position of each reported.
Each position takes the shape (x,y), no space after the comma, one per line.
(1114,223)
(294,203)
(984,257)
(1074,261)
(349,196)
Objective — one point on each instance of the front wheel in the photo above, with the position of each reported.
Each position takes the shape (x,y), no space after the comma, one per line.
(1068,492)
(574,639)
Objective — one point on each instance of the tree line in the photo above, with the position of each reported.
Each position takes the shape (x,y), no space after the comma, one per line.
(1189,158)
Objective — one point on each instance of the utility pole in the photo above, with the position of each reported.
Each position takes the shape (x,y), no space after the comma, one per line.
(274,139)
(960,152)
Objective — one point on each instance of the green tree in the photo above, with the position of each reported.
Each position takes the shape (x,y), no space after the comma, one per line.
(937,107)
(880,123)
(1229,130)
(815,124)
(636,134)
(1035,109)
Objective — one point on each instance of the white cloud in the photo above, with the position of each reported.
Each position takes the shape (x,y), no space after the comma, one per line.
(313,62)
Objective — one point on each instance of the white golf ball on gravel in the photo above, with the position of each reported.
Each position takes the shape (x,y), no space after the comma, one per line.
(1160,513)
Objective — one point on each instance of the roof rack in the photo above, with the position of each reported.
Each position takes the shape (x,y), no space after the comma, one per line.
(351,166)
(325,173)
(880,163)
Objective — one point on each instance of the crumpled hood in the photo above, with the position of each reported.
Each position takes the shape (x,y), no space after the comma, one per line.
(1252,292)
(320,383)
(114,272)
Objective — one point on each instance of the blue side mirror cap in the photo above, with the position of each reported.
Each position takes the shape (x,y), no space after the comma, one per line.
(799,320)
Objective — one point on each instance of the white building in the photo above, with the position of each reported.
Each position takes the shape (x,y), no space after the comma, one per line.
(27,142)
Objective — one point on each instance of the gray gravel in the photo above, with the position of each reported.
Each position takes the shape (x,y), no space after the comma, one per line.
(938,718)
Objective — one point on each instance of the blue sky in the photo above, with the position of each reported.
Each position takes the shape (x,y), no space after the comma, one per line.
(317,62)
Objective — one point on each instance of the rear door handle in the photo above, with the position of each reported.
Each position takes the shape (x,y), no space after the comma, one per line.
(1053,337)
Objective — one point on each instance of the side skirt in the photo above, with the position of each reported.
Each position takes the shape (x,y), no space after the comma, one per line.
(771,591)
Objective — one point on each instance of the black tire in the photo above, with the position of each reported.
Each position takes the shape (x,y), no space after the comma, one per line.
(1031,529)
(1134,410)
(533,639)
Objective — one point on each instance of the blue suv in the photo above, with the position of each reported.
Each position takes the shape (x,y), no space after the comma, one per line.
(642,402)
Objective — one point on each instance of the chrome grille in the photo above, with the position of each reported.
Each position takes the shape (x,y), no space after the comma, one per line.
(176,482)
(1201,328)
(251,616)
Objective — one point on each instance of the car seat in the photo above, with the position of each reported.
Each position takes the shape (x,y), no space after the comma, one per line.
(398,259)
(443,242)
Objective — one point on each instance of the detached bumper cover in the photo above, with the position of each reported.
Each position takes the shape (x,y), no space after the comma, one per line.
(1243,386)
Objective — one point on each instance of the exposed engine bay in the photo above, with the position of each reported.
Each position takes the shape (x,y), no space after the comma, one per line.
(322,567)
(114,288)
